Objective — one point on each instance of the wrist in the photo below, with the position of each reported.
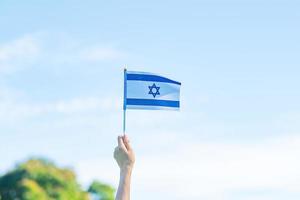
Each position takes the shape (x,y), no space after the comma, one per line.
(126,169)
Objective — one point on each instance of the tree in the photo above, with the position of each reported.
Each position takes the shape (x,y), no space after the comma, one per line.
(102,191)
(40,179)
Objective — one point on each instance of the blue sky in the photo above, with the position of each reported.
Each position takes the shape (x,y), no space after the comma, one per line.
(237,135)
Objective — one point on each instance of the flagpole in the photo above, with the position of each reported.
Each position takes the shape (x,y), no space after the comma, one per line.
(124,121)
(124,104)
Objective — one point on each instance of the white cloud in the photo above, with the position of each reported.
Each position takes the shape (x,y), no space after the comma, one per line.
(199,170)
(52,49)
(17,53)
(101,54)
(81,105)
(10,109)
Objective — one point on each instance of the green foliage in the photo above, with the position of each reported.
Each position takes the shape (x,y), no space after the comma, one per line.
(32,190)
(39,179)
(102,191)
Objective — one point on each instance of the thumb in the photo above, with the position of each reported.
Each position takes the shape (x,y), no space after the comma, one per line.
(127,143)
(121,143)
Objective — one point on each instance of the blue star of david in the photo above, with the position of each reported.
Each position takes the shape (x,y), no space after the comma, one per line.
(156,90)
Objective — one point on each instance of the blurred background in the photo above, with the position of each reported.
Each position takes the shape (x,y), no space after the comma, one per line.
(237,135)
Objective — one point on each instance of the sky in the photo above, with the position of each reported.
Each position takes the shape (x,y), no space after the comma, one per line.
(237,135)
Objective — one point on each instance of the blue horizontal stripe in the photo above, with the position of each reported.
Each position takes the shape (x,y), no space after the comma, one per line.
(150,77)
(135,107)
(150,102)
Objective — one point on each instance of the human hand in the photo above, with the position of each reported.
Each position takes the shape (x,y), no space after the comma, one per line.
(124,154)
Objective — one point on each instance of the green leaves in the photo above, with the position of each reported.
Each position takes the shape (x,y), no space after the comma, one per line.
(40,179)
(102,191)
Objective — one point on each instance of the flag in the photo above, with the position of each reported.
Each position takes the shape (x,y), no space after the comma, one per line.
(149,91)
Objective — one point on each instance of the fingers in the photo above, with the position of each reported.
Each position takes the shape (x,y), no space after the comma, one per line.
(126,139)
(127,143)
(121,143)
(116,152)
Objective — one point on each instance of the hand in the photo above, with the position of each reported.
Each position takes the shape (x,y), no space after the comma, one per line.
(124,154)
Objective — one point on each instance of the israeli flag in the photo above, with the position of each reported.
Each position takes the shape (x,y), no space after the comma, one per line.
(150,91)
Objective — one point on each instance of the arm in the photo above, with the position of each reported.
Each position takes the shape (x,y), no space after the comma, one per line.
(125,158)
